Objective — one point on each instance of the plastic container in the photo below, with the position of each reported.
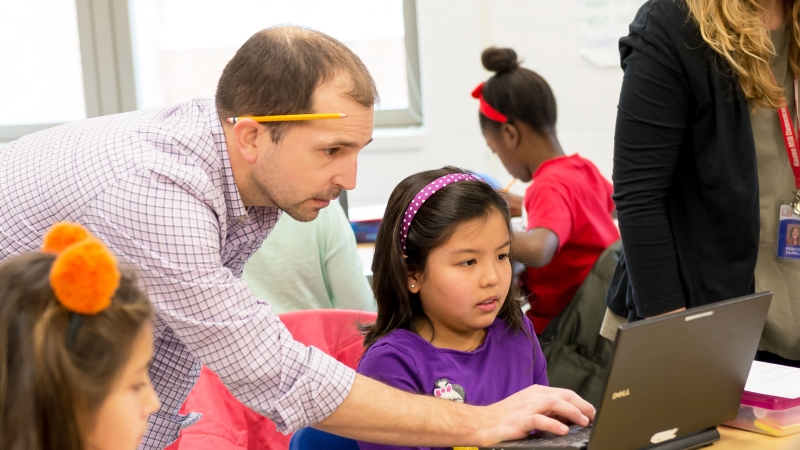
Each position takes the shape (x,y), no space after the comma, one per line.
(767,414)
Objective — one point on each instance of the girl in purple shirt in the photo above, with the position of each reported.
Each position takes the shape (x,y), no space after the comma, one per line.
(449,323)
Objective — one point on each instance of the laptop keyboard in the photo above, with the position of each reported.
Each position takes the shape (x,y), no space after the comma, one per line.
(578,437)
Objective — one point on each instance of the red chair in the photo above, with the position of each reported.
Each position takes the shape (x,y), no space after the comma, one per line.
(229,425)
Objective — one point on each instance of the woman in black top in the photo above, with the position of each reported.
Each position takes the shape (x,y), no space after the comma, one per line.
(686,177)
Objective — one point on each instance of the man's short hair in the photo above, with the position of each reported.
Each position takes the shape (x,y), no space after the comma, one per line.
(278,69)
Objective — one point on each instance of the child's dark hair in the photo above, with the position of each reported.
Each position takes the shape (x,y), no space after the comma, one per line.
(521,94)
(434,223)
(49,389)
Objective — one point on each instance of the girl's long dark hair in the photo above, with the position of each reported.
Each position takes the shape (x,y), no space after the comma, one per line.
(433,225)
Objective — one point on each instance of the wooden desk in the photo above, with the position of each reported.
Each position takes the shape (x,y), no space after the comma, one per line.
(734,439)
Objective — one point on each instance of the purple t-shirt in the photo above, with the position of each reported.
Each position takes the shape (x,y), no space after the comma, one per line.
(504,364)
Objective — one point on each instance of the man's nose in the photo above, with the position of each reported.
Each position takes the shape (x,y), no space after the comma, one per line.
(346,176)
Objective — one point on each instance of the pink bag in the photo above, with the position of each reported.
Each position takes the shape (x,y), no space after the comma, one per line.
(229,425)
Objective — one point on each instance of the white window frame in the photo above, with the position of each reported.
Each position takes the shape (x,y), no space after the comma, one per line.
(108,72)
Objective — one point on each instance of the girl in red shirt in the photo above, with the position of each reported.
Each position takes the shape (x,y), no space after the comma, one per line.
(569,204)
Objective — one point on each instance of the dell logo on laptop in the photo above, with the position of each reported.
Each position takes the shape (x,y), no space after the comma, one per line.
(620,394)
(664,436)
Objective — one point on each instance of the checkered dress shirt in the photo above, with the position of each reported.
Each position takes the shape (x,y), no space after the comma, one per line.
(157,187)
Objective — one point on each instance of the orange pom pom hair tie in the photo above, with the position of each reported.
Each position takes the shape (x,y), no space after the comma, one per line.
(84,275)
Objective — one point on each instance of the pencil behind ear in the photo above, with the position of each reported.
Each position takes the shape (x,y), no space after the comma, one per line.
(246,134)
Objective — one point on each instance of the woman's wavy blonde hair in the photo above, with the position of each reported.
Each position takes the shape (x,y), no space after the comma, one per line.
(735,29)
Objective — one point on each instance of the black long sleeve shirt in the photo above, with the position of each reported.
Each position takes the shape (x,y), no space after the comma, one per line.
(685,175)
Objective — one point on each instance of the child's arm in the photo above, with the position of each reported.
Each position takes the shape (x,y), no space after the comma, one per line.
(550,220)
(535,248)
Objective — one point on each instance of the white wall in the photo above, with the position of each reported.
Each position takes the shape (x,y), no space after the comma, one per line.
(452,35)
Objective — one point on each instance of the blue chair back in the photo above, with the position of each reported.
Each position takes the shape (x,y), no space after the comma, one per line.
(311,439)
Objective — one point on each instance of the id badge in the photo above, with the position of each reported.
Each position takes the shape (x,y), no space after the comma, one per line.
(789,234)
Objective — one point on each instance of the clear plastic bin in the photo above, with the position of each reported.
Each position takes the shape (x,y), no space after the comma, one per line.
(766,414)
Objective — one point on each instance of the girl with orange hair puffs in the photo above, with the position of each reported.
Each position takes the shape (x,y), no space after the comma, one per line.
(75,347)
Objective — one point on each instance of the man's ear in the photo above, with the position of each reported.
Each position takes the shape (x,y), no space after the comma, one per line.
(510,135)
(246,132)
(413,282)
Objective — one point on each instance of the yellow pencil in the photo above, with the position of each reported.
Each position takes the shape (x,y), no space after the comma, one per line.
(289,117)
(508,186)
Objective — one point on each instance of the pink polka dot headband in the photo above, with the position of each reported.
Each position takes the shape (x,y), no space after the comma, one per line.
(430,189)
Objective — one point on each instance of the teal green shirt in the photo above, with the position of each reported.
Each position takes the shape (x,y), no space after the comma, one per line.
(309,265)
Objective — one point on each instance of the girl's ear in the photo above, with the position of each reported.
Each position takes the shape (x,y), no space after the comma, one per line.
(413,283)
(510,135)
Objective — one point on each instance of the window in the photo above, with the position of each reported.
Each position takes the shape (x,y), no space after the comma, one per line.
(85,58)
(42,80)
(181,46)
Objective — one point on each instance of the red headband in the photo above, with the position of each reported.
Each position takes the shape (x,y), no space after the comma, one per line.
(485,108)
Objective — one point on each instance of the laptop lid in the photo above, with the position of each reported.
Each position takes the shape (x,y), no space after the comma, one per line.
(679,374)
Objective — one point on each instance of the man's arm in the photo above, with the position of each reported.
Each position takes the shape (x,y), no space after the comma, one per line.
(407,419)
(375,412)
(170,234)
(535,248)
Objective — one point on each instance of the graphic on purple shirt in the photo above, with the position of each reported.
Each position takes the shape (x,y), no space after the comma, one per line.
(504,364)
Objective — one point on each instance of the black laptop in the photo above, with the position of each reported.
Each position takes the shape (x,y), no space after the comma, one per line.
(671,381)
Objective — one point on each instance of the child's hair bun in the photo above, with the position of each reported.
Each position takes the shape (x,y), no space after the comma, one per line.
(499,60)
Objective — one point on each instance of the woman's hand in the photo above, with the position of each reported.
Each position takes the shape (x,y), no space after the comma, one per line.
(531,409)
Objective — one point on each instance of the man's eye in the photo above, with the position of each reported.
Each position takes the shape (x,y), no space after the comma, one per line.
(332,151)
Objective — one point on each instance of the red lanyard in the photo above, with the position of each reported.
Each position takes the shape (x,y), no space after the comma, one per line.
(790,136)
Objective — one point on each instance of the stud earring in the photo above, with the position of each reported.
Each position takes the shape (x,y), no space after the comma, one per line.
(412,285)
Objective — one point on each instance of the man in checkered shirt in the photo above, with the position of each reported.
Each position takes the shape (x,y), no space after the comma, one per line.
(184,198)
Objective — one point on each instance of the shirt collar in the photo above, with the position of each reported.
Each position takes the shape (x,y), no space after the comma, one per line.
(550,162)
(233,200)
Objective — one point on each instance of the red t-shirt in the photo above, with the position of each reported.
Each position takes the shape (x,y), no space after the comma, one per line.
(569,197)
